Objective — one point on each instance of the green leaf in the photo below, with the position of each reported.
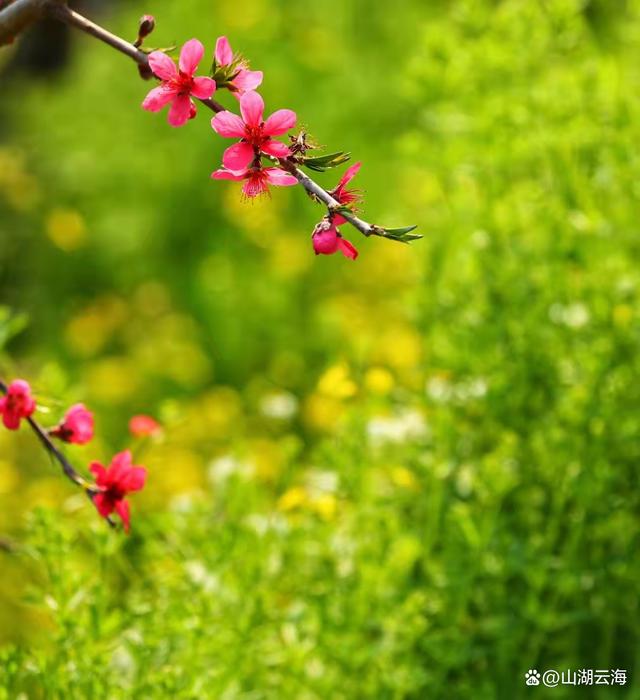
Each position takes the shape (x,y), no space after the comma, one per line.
(330,160)
(402,234)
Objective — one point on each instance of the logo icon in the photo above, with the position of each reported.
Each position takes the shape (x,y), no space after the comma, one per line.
(532,677)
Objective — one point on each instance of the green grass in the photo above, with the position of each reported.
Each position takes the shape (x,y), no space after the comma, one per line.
(450,497)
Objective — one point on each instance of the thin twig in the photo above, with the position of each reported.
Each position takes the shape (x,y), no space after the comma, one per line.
(317,192)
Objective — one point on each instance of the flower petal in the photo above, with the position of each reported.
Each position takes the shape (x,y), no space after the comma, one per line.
(280,178)
(247,80)
(349,175)
(252,108)
(135,479)
(99,472)
(104,504)
(158,98)
(223,174)
(163,66)
(203,87)
(120,465)
(122,509)
(228,124)
(275,148)
(280,122)
(223,54)
(238,156)
(11,420)
(180,111)
(347,249)
(190,55)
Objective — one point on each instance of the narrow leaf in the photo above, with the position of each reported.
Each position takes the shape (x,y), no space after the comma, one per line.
(403,234)
(325,162)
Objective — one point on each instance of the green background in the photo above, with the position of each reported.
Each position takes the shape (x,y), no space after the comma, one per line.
(412,476)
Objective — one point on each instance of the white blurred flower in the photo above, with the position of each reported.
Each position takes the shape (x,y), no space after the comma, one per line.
(201,576)
(475,388)
(439,389)
(261,524)
(574,315)
(409,425)
(281,405)
(322,481)
(221,469)
(123,662)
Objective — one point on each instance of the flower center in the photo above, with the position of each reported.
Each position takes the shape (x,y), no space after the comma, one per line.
(254,135)
(183,84)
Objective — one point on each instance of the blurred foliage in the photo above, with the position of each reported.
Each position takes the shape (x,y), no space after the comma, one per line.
(408,477)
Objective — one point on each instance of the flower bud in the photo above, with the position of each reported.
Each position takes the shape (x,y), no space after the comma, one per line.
(145,71)
(146,25)
(76,426)
(143,426)
(18,403)
(327,240)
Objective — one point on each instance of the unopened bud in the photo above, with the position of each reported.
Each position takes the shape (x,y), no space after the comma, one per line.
(145,27)
(145,71)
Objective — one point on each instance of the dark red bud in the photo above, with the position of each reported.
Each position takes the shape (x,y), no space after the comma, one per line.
(146,26)
(145,71)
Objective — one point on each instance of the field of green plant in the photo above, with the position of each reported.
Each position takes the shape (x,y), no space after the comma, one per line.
(410,476)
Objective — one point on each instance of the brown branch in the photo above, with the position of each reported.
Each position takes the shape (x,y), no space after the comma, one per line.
(75,19)
(17,16)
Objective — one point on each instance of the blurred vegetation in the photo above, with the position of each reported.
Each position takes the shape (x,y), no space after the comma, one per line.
(410,476)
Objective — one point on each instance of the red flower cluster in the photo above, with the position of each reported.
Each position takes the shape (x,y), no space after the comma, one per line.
(77,427)
(243,161)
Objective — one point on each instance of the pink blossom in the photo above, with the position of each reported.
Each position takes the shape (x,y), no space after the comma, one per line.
(343,195)
(115,482)
(257,179)
(76,427)
(327,240)
(141,426)
(255,134)
(237,78)
(178,84)
(17,404)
